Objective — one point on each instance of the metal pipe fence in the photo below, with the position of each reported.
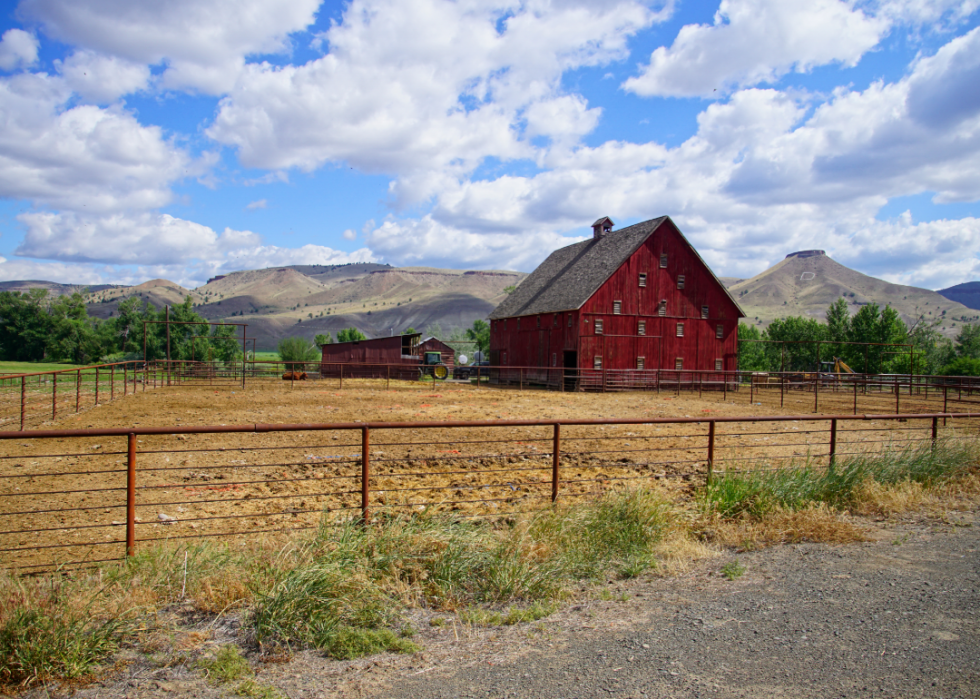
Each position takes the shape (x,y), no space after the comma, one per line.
(32,399)
(77,497)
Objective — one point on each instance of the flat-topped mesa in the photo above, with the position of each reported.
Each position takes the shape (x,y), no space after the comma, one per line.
(806,253)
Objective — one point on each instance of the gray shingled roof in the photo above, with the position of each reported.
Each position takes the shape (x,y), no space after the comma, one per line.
(570,275)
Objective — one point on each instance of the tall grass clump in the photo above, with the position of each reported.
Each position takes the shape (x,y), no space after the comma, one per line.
(758,493)
(48,631)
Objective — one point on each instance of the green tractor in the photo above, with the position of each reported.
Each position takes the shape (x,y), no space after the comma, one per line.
(432,366)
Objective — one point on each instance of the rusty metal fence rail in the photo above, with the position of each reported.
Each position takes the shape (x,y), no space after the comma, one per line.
(34,398)
(77,497)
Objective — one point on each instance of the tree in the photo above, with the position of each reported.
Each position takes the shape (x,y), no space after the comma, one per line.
(838,325)
(350,335)
(409,331)
(480,334)
(882,327)
(800,353)
(322,339)
(962,366)
(297,349)
(968,342)
(751,355)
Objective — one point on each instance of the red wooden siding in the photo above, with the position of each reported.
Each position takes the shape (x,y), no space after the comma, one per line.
(382,350)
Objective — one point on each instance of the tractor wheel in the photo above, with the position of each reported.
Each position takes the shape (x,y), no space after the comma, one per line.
(440,371)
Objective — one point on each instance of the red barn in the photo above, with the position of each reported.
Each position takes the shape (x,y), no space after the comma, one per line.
(372,357)
(615,309)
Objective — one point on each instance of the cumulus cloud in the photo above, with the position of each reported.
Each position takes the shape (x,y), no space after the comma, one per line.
(202,44)
(102,79)
(427,90)
(257,204)
(765,174)
(18,49)
(756,41)
(84,158)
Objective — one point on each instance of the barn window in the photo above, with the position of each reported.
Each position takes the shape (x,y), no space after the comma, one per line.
(538,318)
(617,307)
(597,362)
(720,332)
(598,326)
(704,311)
(680,281)
(663,260)
(680,330)
(643,279)
(662,308)
(569,320)
(640,363)
(554,359)
(678,364)
(719,365)
(641,328)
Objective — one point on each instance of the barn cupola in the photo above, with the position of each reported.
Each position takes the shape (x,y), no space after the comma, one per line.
(601,227)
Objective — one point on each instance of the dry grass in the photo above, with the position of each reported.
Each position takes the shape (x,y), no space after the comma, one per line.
(816,523)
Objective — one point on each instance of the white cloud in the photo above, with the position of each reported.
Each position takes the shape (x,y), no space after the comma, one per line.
(102,79)
(147,238)
(18,49)
(426,241)
(765,174)
(202,43)
(350,235)
(257,204)
(755,41)
(427,90)
(85,158)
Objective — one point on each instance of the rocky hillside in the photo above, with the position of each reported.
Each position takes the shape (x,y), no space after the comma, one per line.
(310,299)
(807,282)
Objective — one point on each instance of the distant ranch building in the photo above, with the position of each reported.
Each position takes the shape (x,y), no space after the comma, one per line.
(615,309)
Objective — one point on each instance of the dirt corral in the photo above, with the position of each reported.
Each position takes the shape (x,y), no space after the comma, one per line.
(64,500)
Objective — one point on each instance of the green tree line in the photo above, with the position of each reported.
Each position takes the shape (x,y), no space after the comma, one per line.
(795,347)
(36,327)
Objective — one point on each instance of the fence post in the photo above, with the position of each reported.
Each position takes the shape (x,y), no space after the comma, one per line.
(782,388)
(816,393)
(711,450)
(833,442)
(54,396)
(555,457)
(112,383)
(898,401)
(751,390)
(724,380)
(699,384)
(23,400)
(78,390)
(131,497)
(520,373)
(125,379)
(387,376)
(341,377)
(855,398)
(935,430)
(365,473)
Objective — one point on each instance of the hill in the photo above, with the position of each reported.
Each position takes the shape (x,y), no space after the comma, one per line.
(968,294)
(805,283)
(310,299)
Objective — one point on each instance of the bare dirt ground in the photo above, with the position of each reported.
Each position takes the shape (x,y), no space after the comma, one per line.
(64,500)
(896,616)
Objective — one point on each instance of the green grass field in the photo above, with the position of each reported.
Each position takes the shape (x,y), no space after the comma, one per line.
(31,367)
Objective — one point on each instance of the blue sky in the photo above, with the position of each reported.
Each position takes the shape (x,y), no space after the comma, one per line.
(196,137)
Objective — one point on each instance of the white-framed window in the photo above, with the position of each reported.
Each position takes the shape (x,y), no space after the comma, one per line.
(704,311)
(678,364)
(597,362)
(719,364)
(662,309)
(617,307)
(663,260)
(720,332)
(569,320)
(641,328)
(643,278)
(680,330)
(598,326)
(680,281)
(641,363)
(554,359)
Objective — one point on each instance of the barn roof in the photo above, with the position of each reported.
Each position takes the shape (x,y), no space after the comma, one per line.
(570,275)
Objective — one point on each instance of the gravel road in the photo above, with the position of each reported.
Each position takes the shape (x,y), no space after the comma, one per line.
(896,617)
